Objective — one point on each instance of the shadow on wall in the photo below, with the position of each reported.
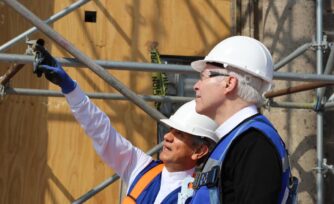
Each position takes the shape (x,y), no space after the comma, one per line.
(25,174)
(53,178)
(304,176)
(307,144)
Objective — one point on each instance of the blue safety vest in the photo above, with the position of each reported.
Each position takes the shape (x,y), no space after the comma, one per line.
(151,191)
(207,183)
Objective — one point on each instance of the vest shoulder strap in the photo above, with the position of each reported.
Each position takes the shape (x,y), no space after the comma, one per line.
(142,183)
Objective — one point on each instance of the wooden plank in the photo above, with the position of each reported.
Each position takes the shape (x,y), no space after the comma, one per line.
(46,155)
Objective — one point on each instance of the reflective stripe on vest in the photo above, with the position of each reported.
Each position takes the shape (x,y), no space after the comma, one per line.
(142,183)
(212,193)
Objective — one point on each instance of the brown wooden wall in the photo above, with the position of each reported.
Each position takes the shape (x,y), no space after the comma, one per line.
(45,156)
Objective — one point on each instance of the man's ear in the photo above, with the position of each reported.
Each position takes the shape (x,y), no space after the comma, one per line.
(231,84)
(200,152)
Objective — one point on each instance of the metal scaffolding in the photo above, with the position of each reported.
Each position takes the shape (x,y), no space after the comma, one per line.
(100,66)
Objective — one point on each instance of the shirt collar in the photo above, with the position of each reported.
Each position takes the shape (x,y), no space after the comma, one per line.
(235,120)
(178,175)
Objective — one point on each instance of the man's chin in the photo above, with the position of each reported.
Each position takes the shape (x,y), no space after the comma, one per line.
(201,110)
(199,106)
(162,157)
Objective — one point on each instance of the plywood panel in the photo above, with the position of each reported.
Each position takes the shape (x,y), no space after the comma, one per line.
(23,126)
(47,157)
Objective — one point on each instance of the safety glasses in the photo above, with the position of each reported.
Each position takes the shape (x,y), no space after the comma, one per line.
(209,74)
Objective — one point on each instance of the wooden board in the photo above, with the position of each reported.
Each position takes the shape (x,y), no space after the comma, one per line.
(45,155)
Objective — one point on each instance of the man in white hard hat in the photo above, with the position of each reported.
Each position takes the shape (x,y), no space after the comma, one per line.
(186,145)
(249,164)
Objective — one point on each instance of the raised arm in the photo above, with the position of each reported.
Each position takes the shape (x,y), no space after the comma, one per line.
(114,149)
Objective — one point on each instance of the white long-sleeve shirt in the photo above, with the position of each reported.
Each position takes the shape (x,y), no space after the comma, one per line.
(126,160)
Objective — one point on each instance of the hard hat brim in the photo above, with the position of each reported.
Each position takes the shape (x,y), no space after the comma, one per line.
(198,65)
(176,126)
(171,124)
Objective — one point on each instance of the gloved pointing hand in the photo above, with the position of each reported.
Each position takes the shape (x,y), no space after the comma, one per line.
(58,76)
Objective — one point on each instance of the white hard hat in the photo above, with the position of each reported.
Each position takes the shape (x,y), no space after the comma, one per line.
(186,119)
(244,53)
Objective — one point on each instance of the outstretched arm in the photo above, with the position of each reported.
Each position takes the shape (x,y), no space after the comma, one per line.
(114,149)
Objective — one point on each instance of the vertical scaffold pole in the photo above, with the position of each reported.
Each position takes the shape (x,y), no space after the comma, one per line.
(319,41)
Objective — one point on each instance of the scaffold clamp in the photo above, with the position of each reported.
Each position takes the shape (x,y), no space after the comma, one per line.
(327,167)
(323,45)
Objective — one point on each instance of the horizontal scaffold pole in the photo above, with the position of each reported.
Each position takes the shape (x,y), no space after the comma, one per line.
(131,66)
(111,96)
(174,99)
(149,67)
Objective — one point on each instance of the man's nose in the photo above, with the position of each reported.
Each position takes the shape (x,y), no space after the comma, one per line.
(169,136)
(196,86)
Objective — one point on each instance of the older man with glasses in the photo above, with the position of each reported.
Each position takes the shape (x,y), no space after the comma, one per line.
(250,163)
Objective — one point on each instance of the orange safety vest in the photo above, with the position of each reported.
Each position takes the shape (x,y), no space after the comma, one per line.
(146,179)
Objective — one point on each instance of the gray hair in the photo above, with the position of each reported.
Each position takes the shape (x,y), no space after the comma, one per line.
(250,88)
(197,142)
